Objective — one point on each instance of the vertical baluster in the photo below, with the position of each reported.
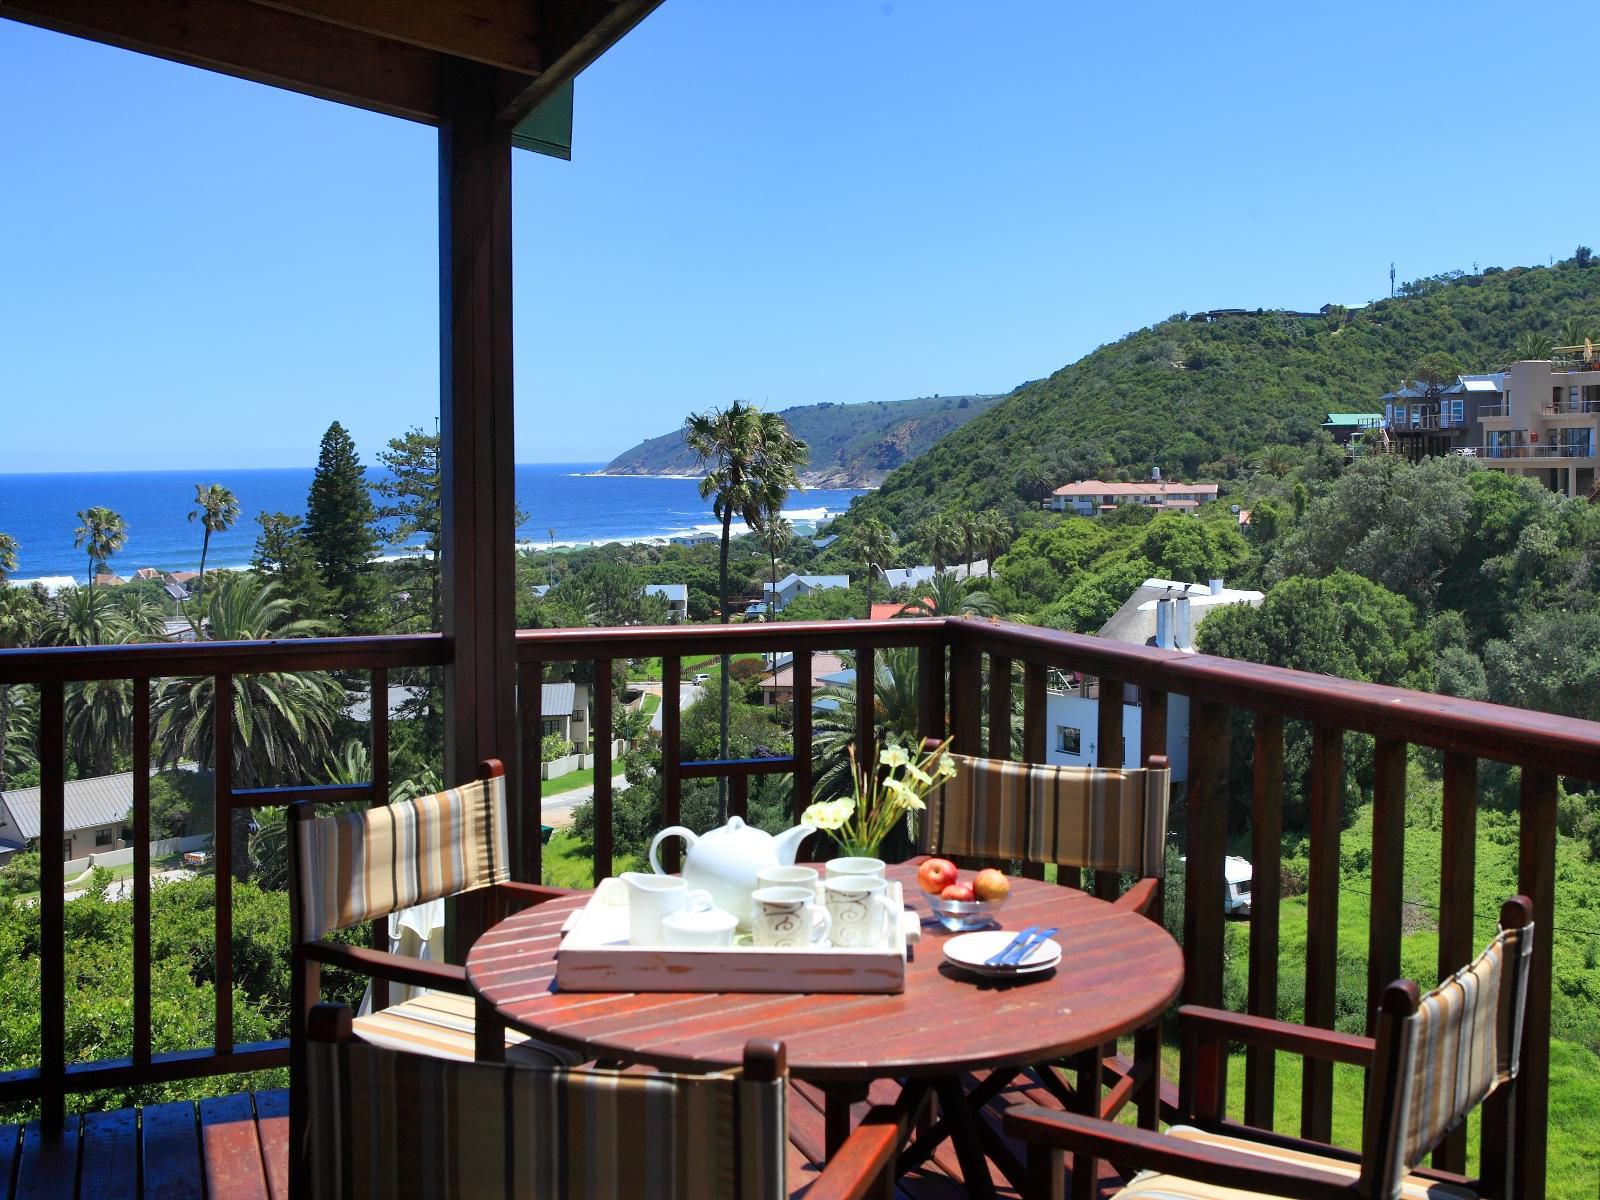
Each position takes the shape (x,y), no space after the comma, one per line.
(1322,924)
(1203,875)
(739,796)
(671,754)
(1109,754)
(1536,879)
(530,812)
(999,706)
(930,691)
(141,872)
(222,846)
(800,672)
(1152,725)
(378,931)
(1388,872)
(1458,839)
(52,907)
(602,770)
(1266,852)
(1035,710)
(866,706)
(966,685)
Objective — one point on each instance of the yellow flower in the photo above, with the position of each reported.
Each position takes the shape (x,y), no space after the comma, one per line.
(902,795)
(828,815)
(947,768)
(923,779)
(893,756)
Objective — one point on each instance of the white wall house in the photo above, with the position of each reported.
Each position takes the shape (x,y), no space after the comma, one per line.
(791,587)
(1096,495)
(675,594)
(1547,426)
(95,811)
(916,577)
(1163,613)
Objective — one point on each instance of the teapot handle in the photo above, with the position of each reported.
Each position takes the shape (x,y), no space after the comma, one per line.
(688,835)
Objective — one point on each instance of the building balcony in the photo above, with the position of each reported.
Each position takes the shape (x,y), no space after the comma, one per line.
(967,679)
(1571,408)
(1542,453)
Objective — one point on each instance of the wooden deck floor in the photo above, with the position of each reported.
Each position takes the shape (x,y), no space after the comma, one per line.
(237,1147)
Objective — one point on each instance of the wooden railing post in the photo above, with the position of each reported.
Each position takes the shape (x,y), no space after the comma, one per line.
(800,733)
(1110,753)
(530,707)
(141,872)
(52,908)
(966,693)
(1458,838)
(671,754)
(999,706)
(222,856)
(1388,872)
(1536,879)
(930,691)
(1322,924)
(601,736)
(1266,886)
(1204,888)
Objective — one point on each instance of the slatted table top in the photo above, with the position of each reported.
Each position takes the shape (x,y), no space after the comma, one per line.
(1118,970)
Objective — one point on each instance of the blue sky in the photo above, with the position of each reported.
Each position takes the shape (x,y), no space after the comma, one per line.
(785,201)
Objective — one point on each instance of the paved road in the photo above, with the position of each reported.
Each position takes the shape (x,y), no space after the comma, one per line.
(557,810)
(121,889)
(688,693)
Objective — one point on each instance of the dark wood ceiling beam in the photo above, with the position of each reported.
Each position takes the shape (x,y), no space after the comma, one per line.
(258,43)
(500,33)
(571,35)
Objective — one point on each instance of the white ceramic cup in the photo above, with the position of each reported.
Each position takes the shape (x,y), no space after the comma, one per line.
(699,927)
(861,910)
(802,877)
(788,916)
(653,898)
(838,868)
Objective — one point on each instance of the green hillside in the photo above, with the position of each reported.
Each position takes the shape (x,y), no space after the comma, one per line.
(1198,399)
(852,445)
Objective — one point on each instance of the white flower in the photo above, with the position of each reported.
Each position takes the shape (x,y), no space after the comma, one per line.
(902,795)
(922,778)
(829,815)
(893,756)
(947,768)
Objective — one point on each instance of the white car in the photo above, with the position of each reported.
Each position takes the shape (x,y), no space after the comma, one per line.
(700,678)
(1239,874)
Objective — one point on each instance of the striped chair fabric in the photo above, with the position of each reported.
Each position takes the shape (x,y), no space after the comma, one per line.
(361,865)
(1101,818)
(1464,1041)
(403,1125)
(1153,1185)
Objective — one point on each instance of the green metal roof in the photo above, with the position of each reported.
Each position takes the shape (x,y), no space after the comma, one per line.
(1354,419)
(548,128)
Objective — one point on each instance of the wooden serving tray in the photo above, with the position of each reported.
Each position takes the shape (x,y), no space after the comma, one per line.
(594,956)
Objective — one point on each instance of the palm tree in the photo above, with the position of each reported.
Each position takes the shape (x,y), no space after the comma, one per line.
(994,534)
(99,713)
(1533,346)
(282,723)
(968,529)
(752,461)
(776,533)
(943,539)
(216,508)
(1574,331)
(8,556)
(18,725)
(81,617)
(874,544)
(894,715)
(950,596)
(1276,461)
(140,614)
(104,532)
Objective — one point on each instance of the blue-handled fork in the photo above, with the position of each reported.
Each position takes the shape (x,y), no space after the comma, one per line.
(1015,955)
(998,957)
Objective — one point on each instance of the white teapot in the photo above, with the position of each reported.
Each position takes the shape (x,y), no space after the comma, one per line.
(725,861)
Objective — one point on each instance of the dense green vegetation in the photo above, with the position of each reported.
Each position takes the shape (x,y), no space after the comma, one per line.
(1200,400)
(852,445)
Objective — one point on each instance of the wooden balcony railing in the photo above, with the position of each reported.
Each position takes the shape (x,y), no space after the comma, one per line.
(966,653)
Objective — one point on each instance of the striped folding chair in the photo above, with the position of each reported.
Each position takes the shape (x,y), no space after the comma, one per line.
(1435,1059)
(384,1122)
(357,867)
(1106,820)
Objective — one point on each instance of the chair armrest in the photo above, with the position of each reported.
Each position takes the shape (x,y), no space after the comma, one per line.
(859,1168)
(1216,1024)
(396,968)
(1140,898)
(517,896)
(1140,1149)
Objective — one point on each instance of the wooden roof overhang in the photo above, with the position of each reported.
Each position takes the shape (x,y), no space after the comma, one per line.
(390,56)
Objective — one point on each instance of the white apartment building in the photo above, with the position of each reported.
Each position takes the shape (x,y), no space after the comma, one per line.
(1096,495)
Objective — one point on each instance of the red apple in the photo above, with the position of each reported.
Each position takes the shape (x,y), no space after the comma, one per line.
(990,884)
(936,874)
(958,891)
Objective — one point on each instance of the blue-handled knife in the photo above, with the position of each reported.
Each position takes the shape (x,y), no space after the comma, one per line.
(999,957)
(1015,955)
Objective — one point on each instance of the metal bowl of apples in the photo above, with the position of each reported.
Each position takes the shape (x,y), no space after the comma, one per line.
(962,906)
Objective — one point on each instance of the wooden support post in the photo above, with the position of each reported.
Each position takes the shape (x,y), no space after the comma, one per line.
(477,449)
(1266,851)
(604,820)
(930,691)
(1458,840)
(1388,873)
(530,792)
(52,908)
(1536,880)
(1204,884)
(672,753)
(222,846)
(1322,924)
(141,872)
(999,706)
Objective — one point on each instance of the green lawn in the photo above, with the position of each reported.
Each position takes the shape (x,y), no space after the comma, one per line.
(569,862)
(650,704)
(645,669)
(572,782)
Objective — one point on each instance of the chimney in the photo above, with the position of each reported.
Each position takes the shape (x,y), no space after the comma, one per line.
(1164,623)
(1216,587)
(1183,625)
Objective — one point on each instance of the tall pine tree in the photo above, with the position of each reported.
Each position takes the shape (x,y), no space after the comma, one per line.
(339,530)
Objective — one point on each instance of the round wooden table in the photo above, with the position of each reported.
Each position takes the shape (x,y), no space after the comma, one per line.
(1118,971)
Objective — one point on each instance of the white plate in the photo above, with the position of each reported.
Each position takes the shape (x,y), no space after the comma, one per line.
(969,951)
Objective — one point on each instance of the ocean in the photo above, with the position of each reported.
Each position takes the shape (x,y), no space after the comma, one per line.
(40,512)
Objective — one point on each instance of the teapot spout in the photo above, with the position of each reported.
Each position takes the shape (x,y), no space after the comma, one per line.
(788,843)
